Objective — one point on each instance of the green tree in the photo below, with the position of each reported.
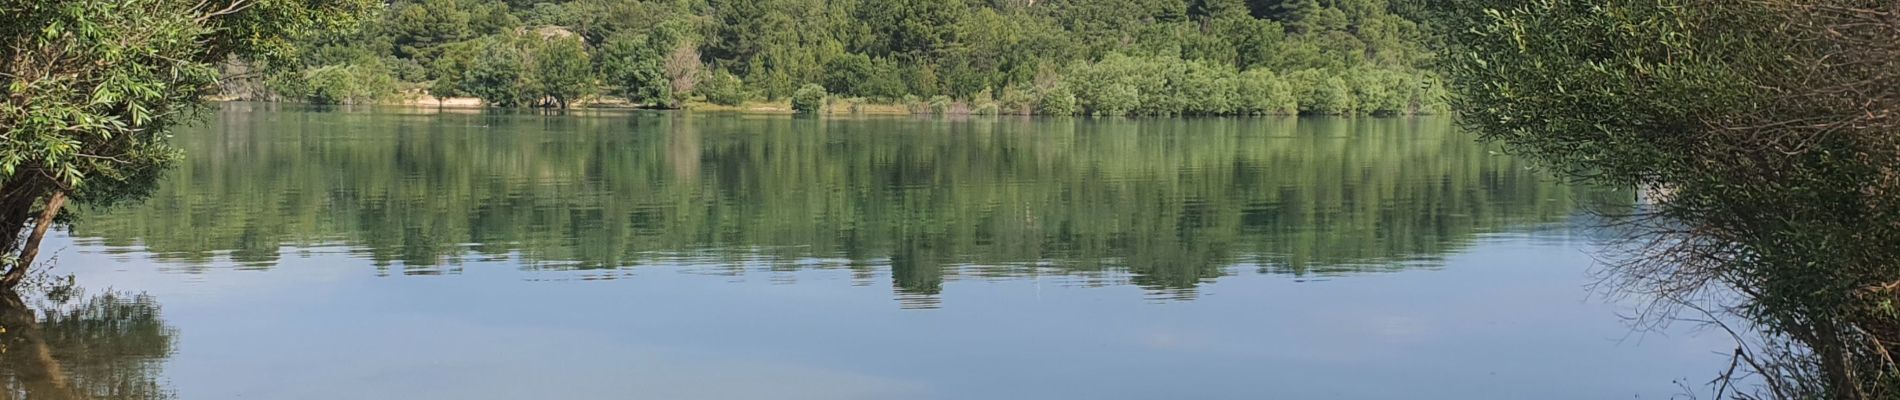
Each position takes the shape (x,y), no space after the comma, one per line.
(1260,91)
(657,52)
(1322,93)
(723,88)
(419,29)
(1763,134)
(347,84)
(92,88)
(634,70)
(909,29)
(1058,101)
(809,99)
(562,70)
(496,70)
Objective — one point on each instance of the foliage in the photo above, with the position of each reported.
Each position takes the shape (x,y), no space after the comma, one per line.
(809,99)
(1128,85)
(1017,100)
(341,84)
(634,70)
(93,87)
(1764,132)
(1320,92)
(562,70)
(1058,101)
(1261,92)
(516,70)
(1161,53)
(723,88)
(494,69)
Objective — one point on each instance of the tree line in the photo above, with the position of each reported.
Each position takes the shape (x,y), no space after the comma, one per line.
(1061,57)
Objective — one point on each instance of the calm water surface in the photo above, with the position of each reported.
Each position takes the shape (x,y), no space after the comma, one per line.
(394,254)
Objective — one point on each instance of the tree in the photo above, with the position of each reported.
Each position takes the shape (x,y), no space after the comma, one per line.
(809,99)
(1764,132)
(635,70)
(1262,92)
(562,70)
(723,88)
(496,70)
(683,71)
(658,52)
(350,83)
(909,29)
(93,86)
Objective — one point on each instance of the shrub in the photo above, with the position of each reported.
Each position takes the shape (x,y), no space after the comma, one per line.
(809,99)
(985,108)
(1207,89)
(1015,100)
(635,71)
(914,104)
(1381,91)
(1057,101)
(1320,92)
(347,84)
(723,88)
(1114,99)
(940,104)
(1119,85)
(562,71)
(493,68)
(1260,91)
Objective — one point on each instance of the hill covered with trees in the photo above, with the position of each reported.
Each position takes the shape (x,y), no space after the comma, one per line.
(1095,57)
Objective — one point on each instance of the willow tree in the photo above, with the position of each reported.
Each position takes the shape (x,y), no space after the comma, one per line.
(92,86)
(1768,132)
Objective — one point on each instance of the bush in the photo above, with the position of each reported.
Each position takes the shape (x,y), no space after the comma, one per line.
(860,75)
(1207,89)
(940,104)
(562,71)
(1381,91)
(809,99)
(723,88)
(914,104)
(347,84)
(494,69)
(1057,101)
(634,70)
(1120,85)
(1113,99)
(1261,92)
(1321,93)
(985,108)
(1016,100)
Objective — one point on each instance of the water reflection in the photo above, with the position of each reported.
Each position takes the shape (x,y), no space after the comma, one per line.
(1163,204)
(107,346)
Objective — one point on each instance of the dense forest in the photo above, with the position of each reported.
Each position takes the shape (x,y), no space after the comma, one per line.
(1062,57)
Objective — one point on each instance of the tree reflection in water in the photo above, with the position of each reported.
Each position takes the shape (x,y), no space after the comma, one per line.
(67,345)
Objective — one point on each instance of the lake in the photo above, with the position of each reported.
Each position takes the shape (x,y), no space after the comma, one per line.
(390,253)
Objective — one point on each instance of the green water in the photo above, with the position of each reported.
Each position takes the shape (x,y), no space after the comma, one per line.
(394,253)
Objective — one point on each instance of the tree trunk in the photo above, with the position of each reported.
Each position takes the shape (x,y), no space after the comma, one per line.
(32,248)
(17,197)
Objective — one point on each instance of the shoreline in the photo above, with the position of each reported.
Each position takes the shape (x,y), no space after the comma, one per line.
(835,107)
